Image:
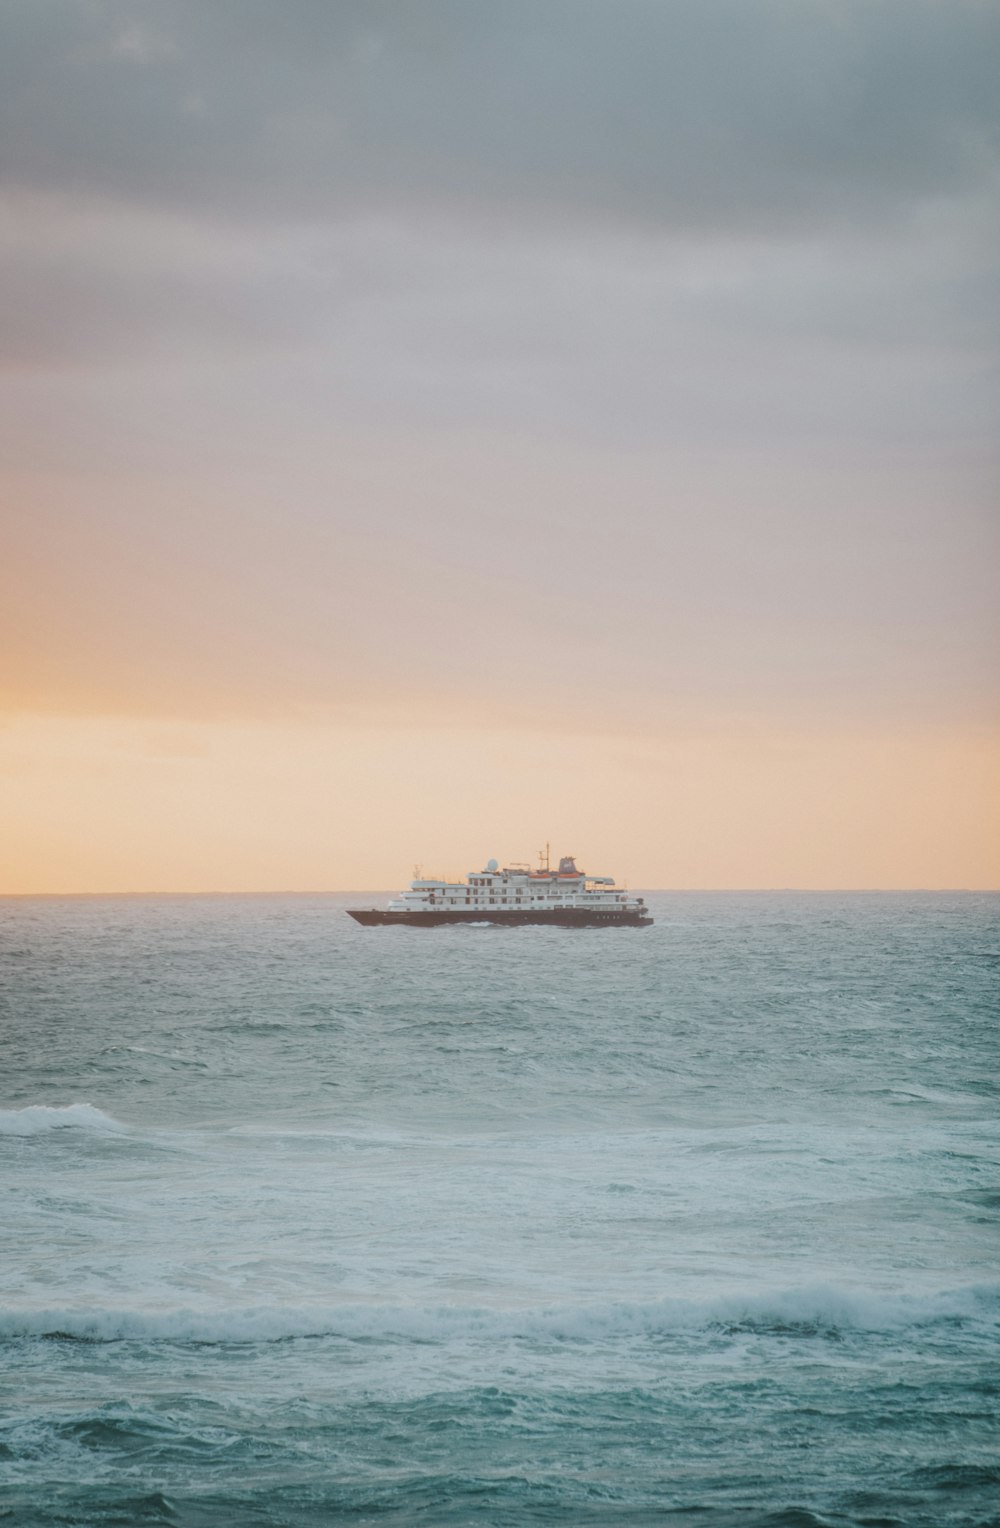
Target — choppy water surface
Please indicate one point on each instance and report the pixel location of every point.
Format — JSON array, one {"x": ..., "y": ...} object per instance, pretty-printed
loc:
[{"x": 307, "y": 1223}]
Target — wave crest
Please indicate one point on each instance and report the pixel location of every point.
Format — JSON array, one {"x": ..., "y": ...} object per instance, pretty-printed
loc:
[
  {"x": 802, "y": 1312},
  {"x": 39, "y": 1119}
]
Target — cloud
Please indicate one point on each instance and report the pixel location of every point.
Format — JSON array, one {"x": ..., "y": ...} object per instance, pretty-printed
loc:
[
  {"x": 720, "y": 115},
  {"x": 84, "y": 283},
  {"x": 508, "y": 212},
  {"x": 638, "y": 339},
  {"x": 610, "y": 359}
]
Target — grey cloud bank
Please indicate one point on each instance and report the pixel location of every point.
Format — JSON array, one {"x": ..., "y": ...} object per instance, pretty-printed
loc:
[
  {"x": 512, "y": 177},
  {"x": 724, "y": 114}
]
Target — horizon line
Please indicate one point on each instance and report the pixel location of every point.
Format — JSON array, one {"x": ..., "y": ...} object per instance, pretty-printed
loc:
[{"x": 859, "y": 891}]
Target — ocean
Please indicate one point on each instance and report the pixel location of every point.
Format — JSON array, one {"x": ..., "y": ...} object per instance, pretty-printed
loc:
[{"x": 694, "y": 1225}]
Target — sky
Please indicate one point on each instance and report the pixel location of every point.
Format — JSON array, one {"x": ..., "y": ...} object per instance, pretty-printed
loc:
[{"x": 428, "y": 430}]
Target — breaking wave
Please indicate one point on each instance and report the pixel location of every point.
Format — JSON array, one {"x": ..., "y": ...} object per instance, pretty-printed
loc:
[
  {"x": 803, "y": 1312},
  {"x": 39, "y": 1119}
]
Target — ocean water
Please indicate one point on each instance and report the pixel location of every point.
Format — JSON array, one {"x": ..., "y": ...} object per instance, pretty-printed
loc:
[{"x": 311, "y": 1224}]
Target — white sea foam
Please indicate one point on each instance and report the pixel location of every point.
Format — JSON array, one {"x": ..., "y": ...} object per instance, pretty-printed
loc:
[
  {"x": 804, "y": 1311},
  {"x": 38, "y": 1119}
]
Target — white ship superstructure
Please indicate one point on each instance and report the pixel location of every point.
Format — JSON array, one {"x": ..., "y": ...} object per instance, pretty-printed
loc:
[{"x": 514, "y": 894}]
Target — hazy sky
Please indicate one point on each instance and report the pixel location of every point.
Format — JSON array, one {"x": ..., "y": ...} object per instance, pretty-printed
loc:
[{"x": 431, "y": 428}]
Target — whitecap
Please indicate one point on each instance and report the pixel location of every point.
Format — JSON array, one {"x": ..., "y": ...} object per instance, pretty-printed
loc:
[
  {"x": 803, "y": 1311},
  {"x": 39, "y": 1119}
]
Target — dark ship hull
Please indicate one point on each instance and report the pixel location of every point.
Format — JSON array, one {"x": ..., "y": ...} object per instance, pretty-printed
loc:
[{"x": 513, "y": 917}]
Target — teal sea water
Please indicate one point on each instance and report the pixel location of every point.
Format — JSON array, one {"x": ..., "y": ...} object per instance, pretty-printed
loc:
[{"x": 305, "y": 1223}]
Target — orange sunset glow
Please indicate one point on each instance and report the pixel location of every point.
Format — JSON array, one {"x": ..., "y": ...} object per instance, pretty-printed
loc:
[{"x": 404, "y": 483}]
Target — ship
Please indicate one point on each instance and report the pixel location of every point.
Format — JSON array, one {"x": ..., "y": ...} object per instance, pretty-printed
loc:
[{"x": 511, "y": 897}]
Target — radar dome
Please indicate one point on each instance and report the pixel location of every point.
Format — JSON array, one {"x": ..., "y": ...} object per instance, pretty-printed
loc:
[{"x": 492, "y": 865}]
